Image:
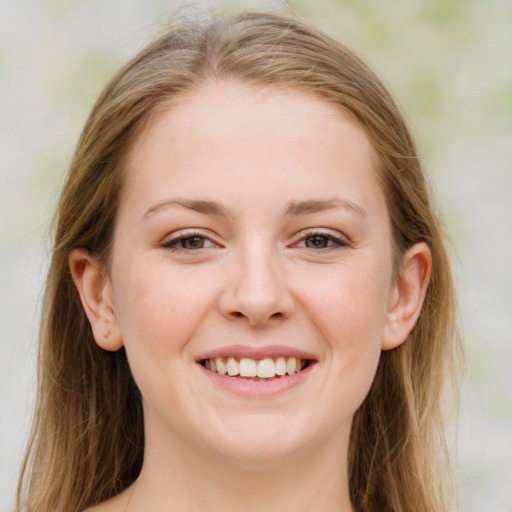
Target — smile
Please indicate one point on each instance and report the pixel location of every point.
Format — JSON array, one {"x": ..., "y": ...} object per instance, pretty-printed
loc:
[
  {"x": 267, "y": 368},
  {"x": 257, "y": 372}
]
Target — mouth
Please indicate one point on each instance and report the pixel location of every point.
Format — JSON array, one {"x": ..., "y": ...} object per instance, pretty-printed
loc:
[{"x": 266, "y": 369}]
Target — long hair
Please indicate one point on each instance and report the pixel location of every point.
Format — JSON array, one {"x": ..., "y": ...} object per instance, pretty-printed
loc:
[{"x": 87, "y": 440}]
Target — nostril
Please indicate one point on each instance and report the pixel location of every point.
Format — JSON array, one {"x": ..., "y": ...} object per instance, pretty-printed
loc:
[{"x": 273, "y": 316}]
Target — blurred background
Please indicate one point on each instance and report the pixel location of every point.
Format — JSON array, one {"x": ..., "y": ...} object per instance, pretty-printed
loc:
[{"x": 449, "y": 64}]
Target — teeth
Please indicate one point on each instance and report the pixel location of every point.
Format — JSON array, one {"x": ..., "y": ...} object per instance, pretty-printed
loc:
[
  {"x": 247, "y": 367},
  {"x": 221, "y": 366},
  {"x": 264, "y": 368},
  {"x": 281, "y": 366},
  {"x": 232, "y": 367},
  {"x": 291, "y": 365}
]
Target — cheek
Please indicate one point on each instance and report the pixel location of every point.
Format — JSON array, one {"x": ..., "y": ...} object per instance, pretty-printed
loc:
[
  {"x": 159, "y": 310},
  {"x": 348, "y": 308},
  {"x": 349, "y": 303}
]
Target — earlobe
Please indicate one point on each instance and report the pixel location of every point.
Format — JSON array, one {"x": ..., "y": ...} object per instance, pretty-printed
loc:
[
  {"x": 407, "y": 295},
  {"x": 95, "y": 292}
]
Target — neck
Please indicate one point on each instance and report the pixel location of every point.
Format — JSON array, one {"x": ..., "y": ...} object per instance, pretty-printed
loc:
[{"x": 311, "y": 479}]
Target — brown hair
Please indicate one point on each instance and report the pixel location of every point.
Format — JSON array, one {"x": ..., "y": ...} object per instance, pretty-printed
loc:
[{"x": 87, "y": 440}]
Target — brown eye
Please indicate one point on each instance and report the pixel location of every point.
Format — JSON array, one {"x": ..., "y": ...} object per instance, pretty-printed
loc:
[
  {"x": 317, "y": 242},
  {"x": 192, "y": 242},
  {"x": 322, "y": 241},
  {"x": 189, "y": 243}
]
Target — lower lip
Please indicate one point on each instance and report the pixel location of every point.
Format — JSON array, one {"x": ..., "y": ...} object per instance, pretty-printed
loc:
[{"x": 258, "y": 389}]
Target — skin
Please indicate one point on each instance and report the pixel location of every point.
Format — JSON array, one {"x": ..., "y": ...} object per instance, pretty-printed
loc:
[{"x": 257, "y": 278}]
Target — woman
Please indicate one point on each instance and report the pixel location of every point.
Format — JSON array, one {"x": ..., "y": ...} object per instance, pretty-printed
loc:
[{"x": 249, "y": 304}]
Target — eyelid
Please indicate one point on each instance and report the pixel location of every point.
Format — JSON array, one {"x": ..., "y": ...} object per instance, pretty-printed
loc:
[
  {"x": 171, "y": 241},
  {"x": 174, "y": 238},
  {"x": 340, "y": 239}
]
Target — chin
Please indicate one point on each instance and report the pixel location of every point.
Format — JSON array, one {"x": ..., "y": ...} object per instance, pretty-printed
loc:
[
  {"x": 257, "y": 456},
  {"x": 257, "y": 443}
]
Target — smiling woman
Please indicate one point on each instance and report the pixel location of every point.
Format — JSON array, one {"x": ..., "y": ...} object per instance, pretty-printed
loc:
[{"x": 249, "y": 305}]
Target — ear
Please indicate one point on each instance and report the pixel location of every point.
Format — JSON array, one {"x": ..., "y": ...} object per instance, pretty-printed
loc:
[
  {"x": 407, "y": 295},
  {"x": 95, "y": 290}
]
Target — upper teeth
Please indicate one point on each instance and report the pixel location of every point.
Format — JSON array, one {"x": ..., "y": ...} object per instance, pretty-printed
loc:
[{"x": 263, "y": 368}]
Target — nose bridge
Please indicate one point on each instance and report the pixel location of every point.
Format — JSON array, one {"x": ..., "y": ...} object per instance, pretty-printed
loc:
[{"x": 258, "y": 289}]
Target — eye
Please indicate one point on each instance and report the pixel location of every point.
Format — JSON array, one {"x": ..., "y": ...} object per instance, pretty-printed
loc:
[
  {"x": 187, "y": 242},
  {"x": 193, "y": 242},
  {"x": 321, "y": 241},
  {"x": 317, "y": 242}
]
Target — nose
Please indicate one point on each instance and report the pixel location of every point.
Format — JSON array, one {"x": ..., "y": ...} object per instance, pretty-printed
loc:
[{"x": 257, "y": 291}]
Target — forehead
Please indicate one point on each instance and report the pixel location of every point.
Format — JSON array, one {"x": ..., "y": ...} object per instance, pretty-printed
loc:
[
  {"x": 233, "y": 138},
  {"x": 218, "y": 109}
]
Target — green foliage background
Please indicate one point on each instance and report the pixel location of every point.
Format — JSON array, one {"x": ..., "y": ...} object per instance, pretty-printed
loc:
[{"x": 449, "y": 64}]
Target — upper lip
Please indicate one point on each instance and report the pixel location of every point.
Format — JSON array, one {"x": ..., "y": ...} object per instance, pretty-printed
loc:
[{"x": 246, "y": 351}]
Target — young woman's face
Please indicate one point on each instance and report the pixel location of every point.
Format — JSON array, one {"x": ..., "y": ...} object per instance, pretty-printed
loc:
[{"x": 252, "y": 232}]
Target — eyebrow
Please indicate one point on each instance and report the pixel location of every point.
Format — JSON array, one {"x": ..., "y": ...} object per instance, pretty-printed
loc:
[
  {"x": 199, "y": 205},
  {"x": 295, "y": 208},
  {"x": 320, "y": 205}
]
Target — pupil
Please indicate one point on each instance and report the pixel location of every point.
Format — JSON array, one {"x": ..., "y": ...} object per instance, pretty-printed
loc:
[
  {"x": 317, "y": 241},
  {"x": 194, "y": 242}
]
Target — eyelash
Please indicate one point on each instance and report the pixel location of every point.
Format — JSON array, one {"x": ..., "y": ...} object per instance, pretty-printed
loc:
[
  {"x": 338, "y": 242},
  {"x": 175, "y": 240}
]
